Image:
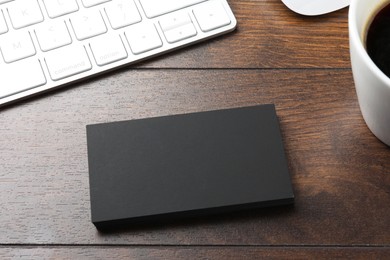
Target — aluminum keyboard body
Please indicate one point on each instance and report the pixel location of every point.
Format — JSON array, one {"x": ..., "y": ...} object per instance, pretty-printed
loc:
[{"x": 46, "y": 44}]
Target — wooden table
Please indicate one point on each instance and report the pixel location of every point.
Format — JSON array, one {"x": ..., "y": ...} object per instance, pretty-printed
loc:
[{"x": 340, "y": 171}]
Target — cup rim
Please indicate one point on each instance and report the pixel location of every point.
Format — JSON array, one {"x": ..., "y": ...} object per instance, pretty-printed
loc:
[{"x": 358, "y": 42}]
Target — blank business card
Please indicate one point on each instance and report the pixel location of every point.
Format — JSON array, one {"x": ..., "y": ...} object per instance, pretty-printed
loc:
[{"x": 186, "y": 165}]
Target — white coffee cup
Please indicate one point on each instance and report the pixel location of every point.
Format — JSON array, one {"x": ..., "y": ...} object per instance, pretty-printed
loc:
[{"x": 372, "y": 85}]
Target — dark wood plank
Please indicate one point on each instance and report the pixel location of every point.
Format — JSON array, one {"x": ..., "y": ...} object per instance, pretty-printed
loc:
[
  {"x": 193, "y": 253},
  {"x": 269, "y": 36},
  {"x": 340, "y": 171}
]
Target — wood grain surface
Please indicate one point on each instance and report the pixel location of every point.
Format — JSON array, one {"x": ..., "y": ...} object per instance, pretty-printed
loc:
[
  {"x": 194, "y": 252},
  {"x": 340, "y": 171}
]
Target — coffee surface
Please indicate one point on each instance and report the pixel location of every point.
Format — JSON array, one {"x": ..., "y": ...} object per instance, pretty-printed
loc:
[{"x": 378, "y": 40}]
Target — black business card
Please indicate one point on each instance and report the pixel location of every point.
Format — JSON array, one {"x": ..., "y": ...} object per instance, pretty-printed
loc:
[{"x": 185, "y": 165}]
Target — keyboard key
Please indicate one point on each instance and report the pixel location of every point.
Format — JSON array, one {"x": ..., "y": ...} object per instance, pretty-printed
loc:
[
  {"x": 3, "y": 25},
  {"x": 89, "y": 3},
  {"x": 53, "y": 35},
  {"x": 155, "y": 8},
  {"x": 24, "y": 13},
  {"x": 143, "y": 37},
  {"x": 177, "y": 26},
  {"x": 18, "y": 46},
  {"x": 211, "y": 15},
  {"x": 122, "y": 13},
  {"x": 88, "y": 25},
  {"x": 56, "y": 8},
  {"x": 20, "y": 76},
  {"x": 108, "y": 50},
  {"x": 67, "y": 61}
]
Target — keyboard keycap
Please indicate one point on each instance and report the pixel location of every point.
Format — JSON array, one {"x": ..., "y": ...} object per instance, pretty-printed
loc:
[
  {"x": 122, "y": 13},
  {"x": 20, "y": 76},
  {"x": 143, "y": 38},
  {"x": 56, "y": 8},
  {"x": 18, "y": 46},
  {"x": 3, "y": 25},
  {"x": 211, "y": 15},
  {"x": 108, "y": 50},
  {"x": 67, "y": 61},
  {"x": 88, "y": 25},
  {"x": 154, "y": 8},
  {"x": 89, "y": 3},
  {"x": 24, "y": 13},
  {"x": 177, "y": 27},
  {"x": 53, "y": 35}
]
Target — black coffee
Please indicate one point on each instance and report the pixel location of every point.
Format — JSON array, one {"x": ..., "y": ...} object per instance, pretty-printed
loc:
[{"x": 378, "y": 40}]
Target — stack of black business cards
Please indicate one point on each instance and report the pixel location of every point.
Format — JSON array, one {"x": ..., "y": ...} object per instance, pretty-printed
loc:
[{"x": 185, "y": 165}]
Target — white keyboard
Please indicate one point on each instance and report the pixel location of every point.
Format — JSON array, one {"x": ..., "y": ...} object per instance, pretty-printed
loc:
[{"x": 46, "y": 44}]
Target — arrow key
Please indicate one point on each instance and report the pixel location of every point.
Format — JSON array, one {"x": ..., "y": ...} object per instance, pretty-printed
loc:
[{"x": 177, "y": 27}]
